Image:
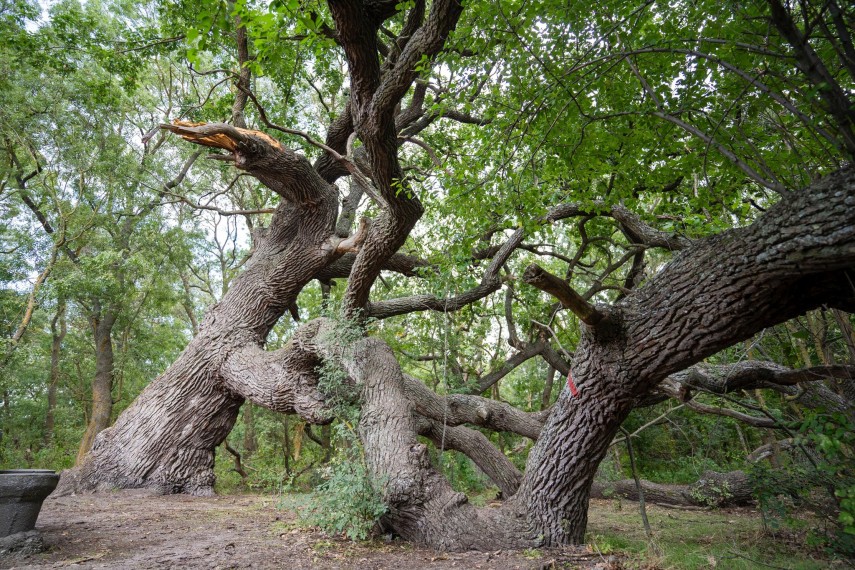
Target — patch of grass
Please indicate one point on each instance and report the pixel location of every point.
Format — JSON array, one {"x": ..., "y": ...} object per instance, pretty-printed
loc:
[
  {"x": 323, "y": 546},
  {"x": 732, "y": 539},
  {"x": 482, "y": 498},
  {"x": 285, "y": 527}
]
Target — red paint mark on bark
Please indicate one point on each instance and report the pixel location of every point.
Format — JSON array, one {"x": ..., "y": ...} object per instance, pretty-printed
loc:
[{"x": 573, "y": 391}]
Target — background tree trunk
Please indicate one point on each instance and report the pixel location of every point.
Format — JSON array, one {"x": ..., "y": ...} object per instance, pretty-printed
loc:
[
  {"x": 58, "y": 329},
  {"x": 102, "y": 382}
]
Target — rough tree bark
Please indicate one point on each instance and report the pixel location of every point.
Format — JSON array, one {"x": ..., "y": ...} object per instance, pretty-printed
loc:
[
  {"x": 166, "y": 438},
  {"x": 102, "y": 322},
  {"x": 717, "y": 292}
]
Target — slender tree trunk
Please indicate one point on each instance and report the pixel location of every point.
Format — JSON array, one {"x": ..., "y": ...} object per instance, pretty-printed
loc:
[
  {"x": 846, "y": 386},
  {"x": 57, "y": 337},
  {"x": 286, "y": 444},
  {"x": 250, "y": 443},
  {"x": 547, "y": 389},
  {"x": 102, "y": 383},
  {"x": 847, "y": 331}
]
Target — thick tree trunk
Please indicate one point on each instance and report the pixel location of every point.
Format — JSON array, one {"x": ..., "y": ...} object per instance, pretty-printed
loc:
[
  {"x": 166, "y": 438},
  {"x": 715, "y": 293},
  {"x": 562, "y": 464},
  {"x": 422, "y": 505}
]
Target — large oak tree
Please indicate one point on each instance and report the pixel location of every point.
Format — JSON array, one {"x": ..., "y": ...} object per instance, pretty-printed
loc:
[{"x": 756, "y": 111}]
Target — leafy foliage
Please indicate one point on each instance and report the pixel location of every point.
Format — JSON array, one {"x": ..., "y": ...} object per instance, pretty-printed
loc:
[
  {"x": 688, "y": 116},
  {"x": 346, "y": 503}
]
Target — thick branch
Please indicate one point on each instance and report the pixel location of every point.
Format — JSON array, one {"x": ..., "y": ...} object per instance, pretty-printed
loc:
[
  {"x": 751, "y": 374},
  {"x": 490, "y": 282},
  {"x": 457, "y": 409},
  {"x": 727, "y": 288},
  {"x": 638, "y": 230},
  {"x": 711, "y": 490},
  {"x": 474, "y": 445},
  {"x": 802, "y": 385},
  {"x": 407, "y": 265},
  {"x": 538, "y": 277},
  {"x": 283, "y": 380},
  {"x": 282, "y": 170}
]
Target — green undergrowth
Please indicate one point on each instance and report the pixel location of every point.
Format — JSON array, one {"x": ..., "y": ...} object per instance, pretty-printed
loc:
[{"x": 732, "y": 539}]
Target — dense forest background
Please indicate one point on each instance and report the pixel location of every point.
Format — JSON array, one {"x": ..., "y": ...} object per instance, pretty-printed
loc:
[{"x": 116, "y": 236}]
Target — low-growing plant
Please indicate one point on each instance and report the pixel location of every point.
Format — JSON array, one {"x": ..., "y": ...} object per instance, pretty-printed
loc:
[
  {"x": 348, "y": 501},
  {"x": 820, "y": 478}
]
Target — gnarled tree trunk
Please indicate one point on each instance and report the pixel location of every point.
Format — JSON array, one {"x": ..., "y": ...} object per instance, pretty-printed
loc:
[
  {"x": 166, "y": 438},
  {"x": 717, "y": 292}
]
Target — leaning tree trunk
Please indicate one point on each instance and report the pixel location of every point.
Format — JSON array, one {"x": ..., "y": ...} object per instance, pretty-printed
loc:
[
  {"x": 166, "y": 438},
  {"x": 716, "y": 293},
  {"x": 57, "y": 337}
]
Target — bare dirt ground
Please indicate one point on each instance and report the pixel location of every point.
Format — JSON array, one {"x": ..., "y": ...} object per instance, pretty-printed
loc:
[{"x": 138, "y": 530}]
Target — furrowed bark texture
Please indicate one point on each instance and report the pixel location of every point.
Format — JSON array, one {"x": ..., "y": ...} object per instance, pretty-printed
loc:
[
  {"x": 717, "y": 292},
  {"x": 422, "y": 505},
  {"x": 166, "y": 438}
]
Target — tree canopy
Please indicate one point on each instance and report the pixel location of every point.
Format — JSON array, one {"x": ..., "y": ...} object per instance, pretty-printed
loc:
[{"x": 516, "y": 230}]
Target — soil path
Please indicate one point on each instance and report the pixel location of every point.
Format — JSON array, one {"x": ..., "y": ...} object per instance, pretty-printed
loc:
[{"x": 137, "y": 530}]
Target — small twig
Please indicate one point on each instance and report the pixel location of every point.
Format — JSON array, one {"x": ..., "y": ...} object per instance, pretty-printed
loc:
[
  {"x": 183, "y": 200},
  {"x": 641, "y": 506},
  {"x": 738, "y": 555},
  {"x": 650, "y": 423},
  {"x": 430, "y": 152},
  {"x": 547, "y": 328}
]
